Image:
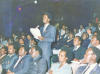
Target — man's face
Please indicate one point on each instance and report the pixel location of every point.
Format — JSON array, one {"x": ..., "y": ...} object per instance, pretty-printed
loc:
[
  {"x": 88, "y": 31},
  {"x": 13, "y": 35},
  {"x": 88, "y": 57},
  {"x": 33, "y": 42},
  {"x": 94, "y": 41},
  {"x": 45, "y": 19},
  {"x": 76, "y": 41},
  {"x": 90, "y": 25},
  {"x": 71, "y": 36},
  {"x": 2, "y": 51},
  {"x": 21, "y": 42},
  {"x": 21, "y": 51},
  {"x": 75, "y": 30},
  {"x": 63, "y": 27},
  {"x": 62, "y": 56},
  {"x": 28, "y": 37},
  {"x": 33, "y": 52},
  {"x": 84, "y": 36},
  {"x": 81, "y": 26},
  {"x": 23, "y": 36},
  {"x": 11, "y": 49}
]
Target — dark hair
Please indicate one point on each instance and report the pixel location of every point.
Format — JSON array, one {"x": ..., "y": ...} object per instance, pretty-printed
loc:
[
  {"x": 24, "y": 47},
  {"x": 98, "y": 37},
  {"x": 11, "y": 39},
  {"x": 37, "y": 48},
  {"x": 14, "y": 46},
  {"x": 86, "y": 34},
  {"x": 34, "y": 40},
  {"x": 49, "y": 15},
  {"x": 90, "y": 29},
  {"x": 22, "y": 39}
]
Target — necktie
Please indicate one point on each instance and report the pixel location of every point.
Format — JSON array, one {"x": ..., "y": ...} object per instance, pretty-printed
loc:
[
  {"x": 86, "y": 69},
  {"x": 74, "y": 52}
]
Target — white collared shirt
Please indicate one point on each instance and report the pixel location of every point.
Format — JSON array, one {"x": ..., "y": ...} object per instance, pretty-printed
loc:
[
  {"x": 98, "y": 27},
  {"x": 76, "y": 48},
  {"x": 90, "y": 68},
  {"x": 45, "y": 26},
  {"x": 10, "y": 55},
  {"x": 90, "y": 34},
  {"x": 2, "y": 56},
  {"x": 18, "y": 61},
  {"x": 98, "y": 46}
]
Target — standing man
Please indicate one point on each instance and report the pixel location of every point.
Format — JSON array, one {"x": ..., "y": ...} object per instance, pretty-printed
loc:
[{"x": 48, "y": 33}]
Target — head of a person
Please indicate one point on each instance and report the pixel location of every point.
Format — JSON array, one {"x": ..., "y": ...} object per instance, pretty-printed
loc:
[
  {"x": 92, "y": 55},
  {"x": 89, "y": 31},
  {"x": 85, "y": 36},
  {"x": 11, "y": 49},
  {"x": 22, "y": 51},
  {"x": 17, "y": 39},
  {"x": 33, "y": 42},
  {"x": 29, "y": 37},
  {"x": 35, "y": 51},
  {"x": 21, "y": 41},
  {"x": 10, "y": 40},
  {"x": 95, "y": 40},
  {"x": 3, "y": 38},
  {"x": 71, "y": 35},
  {"x": 13, "y": 35},
  {"x": 46, "y": 18},
  {"x": 81, "y": 26},
  {"x": 99, "y": 23},
  {"x": 23, "y": 36},
  {"x": 77, "y": 41},
  {"x": 75, "y": 30},
  {"x": 3, "y": 51},
  {"x": 64, "y": 54},
  {"x": 63, "y": 27},
  {"x": 90, "y": 24},
  {"x": 66, "y": 31}
]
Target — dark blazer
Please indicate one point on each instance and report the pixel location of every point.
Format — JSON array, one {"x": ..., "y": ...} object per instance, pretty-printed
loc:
[
  {"x": 70, "y": 43},
  {"x": 85, "y": 43},
  {"x": 95, "y": 70},
  {"x": 2, "y": 59},
  {"x": 49, "y": 37},
  {"x": 37, "y": 66},
  {"x": 79, "y": 53},
  {"x": 23, "y": 65}
]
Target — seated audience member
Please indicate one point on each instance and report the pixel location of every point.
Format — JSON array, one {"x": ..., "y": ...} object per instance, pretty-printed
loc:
[
  {"x": 21, "y": 64},
  {"x": 75, "y": 31},
  {"x": 95, "y": 41},
  {"x": 38, "y": 65},
  {"x": 29, "y": 37},
  {"x": 62, "y": 67},
  {"x": 21, "y": 44},
  {"x": 62, "y": 40},
  {"x": 90, "y": 26},
  {"x": 81, "y": 30},
  {"x": 17, "y": 41},
  {"x": 33, "y": 43},
  {"x": 8, "y": 62},
  {"x": 4, "y": 42},
  {"x": 91, "y": 57},
  {"x": 78, "y": 50},
  {"x": 89, "y": 31},
  {"x": 86, "y": 41},
  {"x": 2, "y": 54},
  {"x": 62, "y": 31},
  {"x": 0, "y": 69},
  {"x": 69, "y": 42},
  {"x": 14, "y": 37}
]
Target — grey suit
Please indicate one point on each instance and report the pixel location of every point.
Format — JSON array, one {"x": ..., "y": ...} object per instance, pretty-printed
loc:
[
  {"x": 95, "y": 70},
  {"x": 37, "y": 66}
]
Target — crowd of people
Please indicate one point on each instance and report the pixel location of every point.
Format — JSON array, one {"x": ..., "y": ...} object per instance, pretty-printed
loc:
[{"x": 78, "y": 52}]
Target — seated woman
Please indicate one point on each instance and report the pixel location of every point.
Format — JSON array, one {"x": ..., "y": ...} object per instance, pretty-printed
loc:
[{"x": 62, "y": 67}]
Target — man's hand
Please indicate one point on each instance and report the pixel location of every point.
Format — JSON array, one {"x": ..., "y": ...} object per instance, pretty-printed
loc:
[
  {"x": 9, "y": 72},
  {"x": 50, "y": 72},
  {"x": 41, "y": 38}
]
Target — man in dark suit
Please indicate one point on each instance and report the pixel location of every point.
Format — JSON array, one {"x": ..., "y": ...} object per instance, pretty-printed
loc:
[
  {"x": 21, "y": 64},
  {"x": 78, "y": 50},
  {"x": 2, "y": 54},
  {"x": 91, "y": 57},
  {"x": 38, "y": 65},
  {"x": 48, "y": 33}
]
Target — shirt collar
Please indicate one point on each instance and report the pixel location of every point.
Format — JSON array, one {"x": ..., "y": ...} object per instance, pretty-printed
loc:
[
  {"x": 77, "y": 47},
  {"x": 10, "y": 55},
  {"x": 46, "y": 25},
  {"x": 36, "y": 57},
  {"x": 93, "y": 65}
]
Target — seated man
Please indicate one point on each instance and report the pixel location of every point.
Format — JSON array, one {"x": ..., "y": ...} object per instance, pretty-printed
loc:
[
  {"x": 86, "y": 41},
  {"x": 2, "y": 54},
  {"x": 38, "y": 65},
  {"x": 62, "y": 67},
  {"x": 78, "y": 50},
  {"x": 91, "y": 57},
  {"x": 8, "y": 62},
  {"x": 21, "y": 64}
]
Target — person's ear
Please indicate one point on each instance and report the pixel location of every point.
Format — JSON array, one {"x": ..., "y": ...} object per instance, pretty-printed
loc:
[
  {"x": 94, "y": 56},
  {"x": 66, "y": 58},
  {"x": 25, "y": 52},
  {"x": 48, "y": 19}
]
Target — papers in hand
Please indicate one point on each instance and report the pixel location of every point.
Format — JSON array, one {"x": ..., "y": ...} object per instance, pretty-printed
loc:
[{"x": 35, "y": 32}]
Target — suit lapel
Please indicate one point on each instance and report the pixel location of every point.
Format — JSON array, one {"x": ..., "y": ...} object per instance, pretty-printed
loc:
[{"x": 94, "y": 69}]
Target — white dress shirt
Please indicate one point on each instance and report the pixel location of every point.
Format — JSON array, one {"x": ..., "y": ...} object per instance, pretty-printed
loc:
[
  {"x": 90, "y": 68},
  {"x": 98, "y": 46},
  {"x": 45, "y": 26},
  {"x": 76, "y": 48}
]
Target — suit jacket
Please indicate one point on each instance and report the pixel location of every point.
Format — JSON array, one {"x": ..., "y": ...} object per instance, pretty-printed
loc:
[
  {"x": 79, "y": 53},
  {"x": 23, "y": 65},
  {"x": 93, "y": 29},
  {"x": 95, "y": 70},
  {"x": 37, "y": 66},
  {"x": 85, "y": 43},
  {"x": 2, "y": 59},
  {"x": 49, "y": 37},
  {"x": 8, "y": 62},
  {"x": 70, "y": 43}
]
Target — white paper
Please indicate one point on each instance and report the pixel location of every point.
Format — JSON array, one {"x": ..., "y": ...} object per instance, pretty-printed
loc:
[{"x": 35, "y": 32}]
